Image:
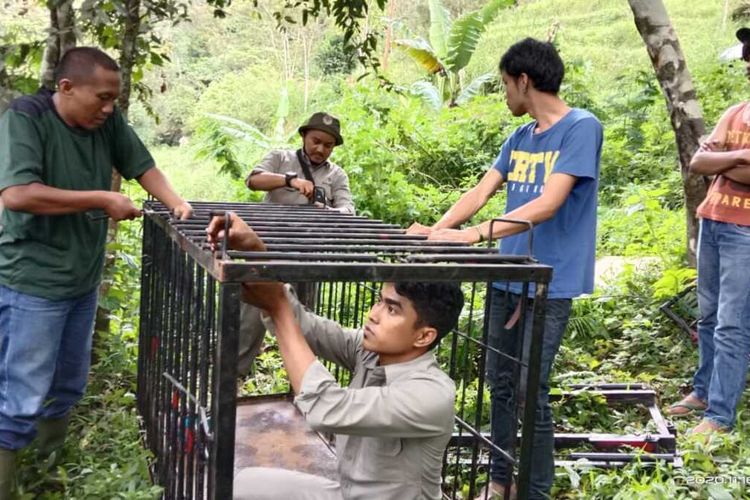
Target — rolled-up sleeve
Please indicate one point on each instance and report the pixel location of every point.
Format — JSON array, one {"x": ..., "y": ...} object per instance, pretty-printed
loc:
[
  {"x": 420, "y": 407},
  {"x": 326, "y": 338}
]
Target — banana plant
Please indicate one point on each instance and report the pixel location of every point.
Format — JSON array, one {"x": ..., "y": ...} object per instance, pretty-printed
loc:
[
  {"x": 451, "y": 46},
  {"x": 219, "y": 134}
]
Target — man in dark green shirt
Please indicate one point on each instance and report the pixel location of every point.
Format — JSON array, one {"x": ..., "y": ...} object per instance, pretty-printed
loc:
[{"x": 57, "y": 151}]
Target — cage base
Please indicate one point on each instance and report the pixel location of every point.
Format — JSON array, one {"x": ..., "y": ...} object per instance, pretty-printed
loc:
[{"x": 271, "y": 432}]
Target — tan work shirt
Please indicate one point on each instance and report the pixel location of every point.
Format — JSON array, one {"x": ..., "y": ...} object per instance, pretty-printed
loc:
[
  {"x": 392, "y": 423},
  {"x": 329, "y": 176}
]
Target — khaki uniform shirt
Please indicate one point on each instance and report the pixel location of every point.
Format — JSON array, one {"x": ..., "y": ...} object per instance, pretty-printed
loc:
[
  {"x": 329, "y": 176},
  {"x": 392, "y": 423}
]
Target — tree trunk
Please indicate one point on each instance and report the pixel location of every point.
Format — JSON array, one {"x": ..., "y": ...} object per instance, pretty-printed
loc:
[
  {"x": 306, "y": 50},
  {"x": 724, "y": 15},
  {"x": 128, "y": 53},
  {"x": 663, "y": 48},
  {"x": 61, "y": 37},
  {"x": 388, "y": 35},
  {"x": 127, "y": 62}
]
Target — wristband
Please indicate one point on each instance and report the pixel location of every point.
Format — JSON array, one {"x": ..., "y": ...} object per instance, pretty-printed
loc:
[{"x": 289, "y": 177}]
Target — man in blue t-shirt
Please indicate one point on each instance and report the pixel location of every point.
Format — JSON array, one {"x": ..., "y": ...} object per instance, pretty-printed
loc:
[{"x": 551, "y": 169}]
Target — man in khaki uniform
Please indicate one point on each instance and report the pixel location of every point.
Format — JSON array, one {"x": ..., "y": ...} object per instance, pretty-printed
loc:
[
  {"x": 291, "y": 178},
  {"x": 282, "y": 172},
  {"x": 393, "y": 422}
]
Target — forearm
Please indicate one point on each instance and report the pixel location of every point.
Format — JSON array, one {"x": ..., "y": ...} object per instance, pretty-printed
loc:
[
  {"x": 266, "y": 181},
  {"x": 295, "y": 352},
  {"x": 536, "y": 211},
  {"x": 464, "y": 209},
  {"x": 712, "y": 163},
  {"x": 326, "y": 338},
  {"x": 156, "y": 184},
  {"x": 40, "y": 199},
  {"x": 739, "y": 174}
]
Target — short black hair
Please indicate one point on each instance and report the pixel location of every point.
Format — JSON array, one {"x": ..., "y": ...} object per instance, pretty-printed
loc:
[
  {"x": 79, "y": 63},
  {"x": 743, "y": 35},
  {"x": 539, "y": 60},
  {"x": 438, "y": 304}
]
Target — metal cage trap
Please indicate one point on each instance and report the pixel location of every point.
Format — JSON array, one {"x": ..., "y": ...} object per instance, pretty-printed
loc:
[{"x": 201, "y": 433}]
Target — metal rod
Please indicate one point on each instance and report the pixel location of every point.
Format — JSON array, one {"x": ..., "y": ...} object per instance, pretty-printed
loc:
[
  {"x": 487, "y": 442},
  {"x": 225, "y": 391},
  {"x": 202, "y": 409},
  {"x": 528, "y": 224},
  {"x": 532, "y": 390}
]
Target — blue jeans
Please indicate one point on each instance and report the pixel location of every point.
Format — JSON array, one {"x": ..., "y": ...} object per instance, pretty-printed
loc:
[
  {"x": 45, "y": 353},
  {"x": 500, "y": 381},
  {"x": 724, "y": 326}
]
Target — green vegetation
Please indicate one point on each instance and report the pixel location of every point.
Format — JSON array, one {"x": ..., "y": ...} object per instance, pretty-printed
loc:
[
  {"x": 409, "y": 160},
  {"x": 451, "y": 46}
]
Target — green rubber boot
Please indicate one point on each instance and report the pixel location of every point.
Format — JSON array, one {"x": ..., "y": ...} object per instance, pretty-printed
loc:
[
  {"x": 7, "y": 474},
  {"x": 50, "y": 436}
]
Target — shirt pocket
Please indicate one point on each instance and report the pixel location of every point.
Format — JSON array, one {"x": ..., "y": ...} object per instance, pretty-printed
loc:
[
  {"x": 381, "y": 459},
  {"x": 387, "y": 447}
]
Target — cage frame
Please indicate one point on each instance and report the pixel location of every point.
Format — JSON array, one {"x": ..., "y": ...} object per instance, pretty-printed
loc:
[{"x": 179, "y": 243}]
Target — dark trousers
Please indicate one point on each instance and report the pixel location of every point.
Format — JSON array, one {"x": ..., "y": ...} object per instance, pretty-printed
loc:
[{"x": 501, "y": 382}]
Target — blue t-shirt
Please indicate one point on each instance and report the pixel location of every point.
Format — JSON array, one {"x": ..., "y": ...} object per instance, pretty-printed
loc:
[{"x": 567, "y": 241}]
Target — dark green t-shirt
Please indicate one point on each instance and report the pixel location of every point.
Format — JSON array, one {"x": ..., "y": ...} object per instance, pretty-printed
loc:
[{"x": 59, "y": 256}]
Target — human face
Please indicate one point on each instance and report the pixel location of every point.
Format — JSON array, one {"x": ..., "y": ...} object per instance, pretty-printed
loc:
[
  {"x": 515, "y": 97},
  {"x": 89, "y": 102},
  {"x": 318, "y": 145},
  {"x": 391, "y": 329}
]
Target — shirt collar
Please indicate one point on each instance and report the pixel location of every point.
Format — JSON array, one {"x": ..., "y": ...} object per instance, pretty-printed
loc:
[{"x": 396, "y": 371}]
